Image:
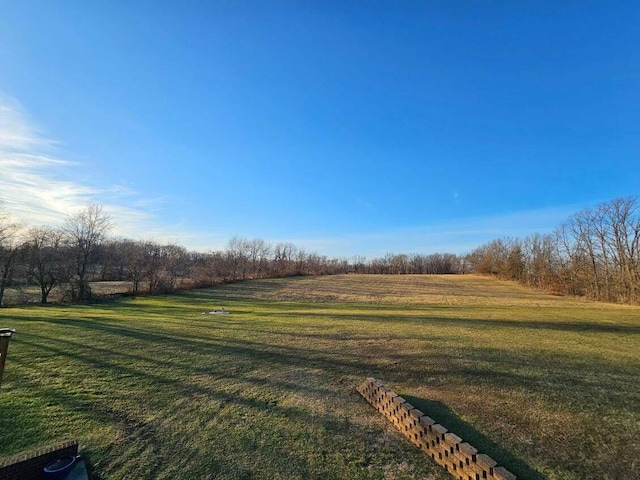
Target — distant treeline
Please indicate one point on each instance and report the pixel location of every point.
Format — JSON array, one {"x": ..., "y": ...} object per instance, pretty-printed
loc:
[
  {"x": 595, "y": 253},
  {"x": 79, "y": 252}
]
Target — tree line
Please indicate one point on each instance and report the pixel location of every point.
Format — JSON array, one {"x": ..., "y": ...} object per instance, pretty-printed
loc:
[
  {"x": 595, "y": 253},
  {"x": 80, "y": 251}
]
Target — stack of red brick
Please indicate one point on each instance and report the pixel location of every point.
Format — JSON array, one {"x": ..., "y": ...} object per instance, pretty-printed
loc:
[{"x": 457, "y": 457}]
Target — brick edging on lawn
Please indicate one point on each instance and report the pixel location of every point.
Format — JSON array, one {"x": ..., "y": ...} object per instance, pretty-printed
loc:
[{"x": 447, "y": 449}]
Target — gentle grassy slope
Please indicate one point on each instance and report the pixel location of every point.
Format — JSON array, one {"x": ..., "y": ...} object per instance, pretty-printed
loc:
[{"x": 152, "y": 388}]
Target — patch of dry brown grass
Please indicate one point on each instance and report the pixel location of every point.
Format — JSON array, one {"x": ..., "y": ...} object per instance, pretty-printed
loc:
[{"x": 444, "y": 290}]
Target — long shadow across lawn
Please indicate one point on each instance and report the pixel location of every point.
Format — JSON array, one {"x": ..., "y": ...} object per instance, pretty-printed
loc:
[
  {"x": 443, "y": 415},
  {"x": 427, "y": 317},
  {"x": 407, "y": 366}
]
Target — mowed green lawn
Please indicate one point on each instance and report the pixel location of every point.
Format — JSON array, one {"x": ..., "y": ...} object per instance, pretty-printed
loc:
[{"x": 152, "y": 388}]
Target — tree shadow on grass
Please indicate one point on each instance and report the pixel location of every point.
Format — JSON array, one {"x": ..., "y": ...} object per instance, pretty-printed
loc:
[
  {"x": 145, "y": 429},
  {"x": 443, "y": 415}
]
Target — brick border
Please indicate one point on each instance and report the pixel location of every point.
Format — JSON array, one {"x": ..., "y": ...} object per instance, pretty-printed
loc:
[
  {"x": 447, "y": 449},
  {"x": 30, "y": 465}
]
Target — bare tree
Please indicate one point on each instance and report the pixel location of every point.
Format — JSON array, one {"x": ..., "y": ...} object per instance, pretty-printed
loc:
[
  {"x": 8, "y": 250},
  {"x": 163, "y": 266},
  {"x": 85, "y": 231},
  {"x": 238, "y": 253},
  {"x": 134, "y": 263},
  {"x": 539, "y": 254},
  {"x": 176, "y": 265},
  {"x": 491, "y": 258},
  {"x": 111, "y": 255},
  {"x": 283, "y": 254},
  {"x": 623, "y": 217},
  {"x": 45, "y": 258},
  {"x": 258, "y": 255}
]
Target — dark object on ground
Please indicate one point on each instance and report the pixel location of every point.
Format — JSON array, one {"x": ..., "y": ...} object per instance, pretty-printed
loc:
[
  {"x": 60, "y": 468},
  {"x": 5, "y": 336},
  {"x": 30, "y": 465}
]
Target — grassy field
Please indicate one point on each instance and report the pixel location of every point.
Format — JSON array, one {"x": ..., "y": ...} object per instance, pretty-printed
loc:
[
  {"x": 152, "y": 388},
  {"x": 31, "y": 294}
]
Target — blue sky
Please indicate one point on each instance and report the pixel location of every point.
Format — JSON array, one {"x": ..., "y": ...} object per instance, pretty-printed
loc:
[{"x": 345, "y": 127}]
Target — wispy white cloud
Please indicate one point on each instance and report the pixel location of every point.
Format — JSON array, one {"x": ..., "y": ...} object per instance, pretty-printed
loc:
[
  {"x": 16, "y": 133},
  {"x": 38, "y": 187}
]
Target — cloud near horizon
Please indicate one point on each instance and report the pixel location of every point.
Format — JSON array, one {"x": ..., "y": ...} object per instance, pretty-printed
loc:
[{"x": 37, "y": 187}]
